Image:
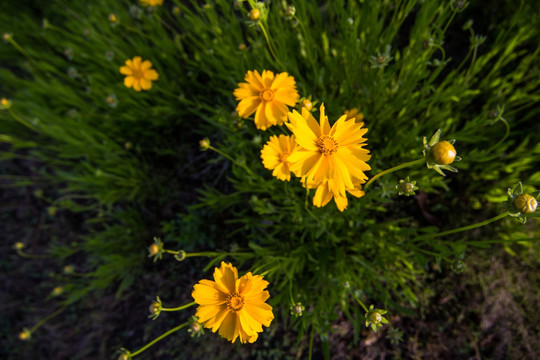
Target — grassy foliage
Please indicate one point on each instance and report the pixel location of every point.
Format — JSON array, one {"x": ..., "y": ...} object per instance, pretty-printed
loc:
[{"x": 129, "y": 161}]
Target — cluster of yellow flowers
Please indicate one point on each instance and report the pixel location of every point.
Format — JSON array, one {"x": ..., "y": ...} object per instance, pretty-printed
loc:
[{"x": 331, "y": 159}]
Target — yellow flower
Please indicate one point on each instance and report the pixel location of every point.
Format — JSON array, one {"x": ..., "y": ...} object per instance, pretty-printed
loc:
[
  {"x": 235, "y": 306},
  {"x": 151, "y": 2},
  {"x": 331, "y": 156},
  {"x": 275, "y": 153},
  {"x": 267, "y": 96},
  {"x": 354, "y": 114},
  {"x": 139, "y": 74}
]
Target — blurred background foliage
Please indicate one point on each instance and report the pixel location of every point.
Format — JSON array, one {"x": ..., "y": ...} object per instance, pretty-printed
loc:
[{"x": 125, "y": 166}]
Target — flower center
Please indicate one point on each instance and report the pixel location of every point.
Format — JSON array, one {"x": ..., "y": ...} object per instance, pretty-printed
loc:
[
  {"x": 327, "y": 145},
  {"x": 267, "y": 95},
  {"x": 137, "y": 73},
  {"x": 235, "y": 301},
  {"x": 284, "y": 157}
]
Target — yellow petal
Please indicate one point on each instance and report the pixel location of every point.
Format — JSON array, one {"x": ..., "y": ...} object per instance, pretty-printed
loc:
[
  {"x": 267, "y": 78},
  {"x": 322, "y": 195},
  {"x": 248, "y": 106},
  {"x": 146, "y": 84},
  {"x": 151, "y": 74},
  {"x": 225, "y": 277},
  {"x": 261, "y": 122},
  {"x": 137, "y": 62},
  {"x": 206, "y": 313},
  {"x": 125, "y": 70},
  {"x": 254, "y": 79},
  {"x": 227, "y": 327},
  {"x": 259, "y": 314},
  {"x": 146, "y": 64},
  {"x": 128, "y": 81},
  {"x": 206, "y": 292},
  {"x": 244, "y": 90}
]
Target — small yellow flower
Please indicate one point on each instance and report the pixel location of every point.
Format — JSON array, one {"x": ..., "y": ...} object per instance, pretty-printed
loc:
[
  {"x": 235, "y": 306},
  {"x": 333, "y": 157},
  {"x": 354, "y": 114},
  {"x": 267, "y": 96},
  {"x": 139, "y": 74},
  {"x": 525, "y": 203},
  {"x": 254, "y": 14},
  {"x": 151, "y": 2},
  {"x": 275, "y": 153}
]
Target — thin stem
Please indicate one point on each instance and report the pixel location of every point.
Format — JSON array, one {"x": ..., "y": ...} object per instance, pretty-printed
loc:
[
  {"x": 270, "y": 46},
  {"x": 465, "y": 228},
  {"x": 19, "y": 119},
  {"x": 395, "y": 168},
  {"x": 311, "y": 336},
  {"x": 248, "y": 170},
  {"x": 358, "y": 300},
  {"x": 164, "y": 335},
  {"x": 19, "y": 48},
  {"x": 505, "y": 135},
  {"x": 179, "y": 308},
  {"x": 31, "y": 256},
  {"x": 43, "y": 321}
]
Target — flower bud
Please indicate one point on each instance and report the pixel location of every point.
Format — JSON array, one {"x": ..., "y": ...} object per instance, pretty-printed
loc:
[
  {"x": 297, "y": 309},
  {"x": 492, "y": 114},
  {"x": 154, "y": 308},
  {"x": 254, "y": 14},
  {"x": 525, "y": 204},
  {"x": 18, "y": 245},
  {"x": 242, "y": 46},
  {"x": 375, "y": 318},
  {"x": 5, "y": 103},
  {"x": 307, "y": 104},
  {"x": 113, "y": 18},
  {"x": 24, "y": 335},
  {"x": 204, "y": 144},
  {"x": 195, "y": 326},
  {"x": 153, "y": 249},
  {"x": 444, "y": 153}
]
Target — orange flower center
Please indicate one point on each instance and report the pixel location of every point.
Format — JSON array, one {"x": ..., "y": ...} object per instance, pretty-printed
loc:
[
  {"x": 284, "y": 157},
  {"x": 327, "y": 145},
  {"x": 235, "y": 301},
  {"x": 137, "y": 73},
  {"x": 267, "y": 95}
]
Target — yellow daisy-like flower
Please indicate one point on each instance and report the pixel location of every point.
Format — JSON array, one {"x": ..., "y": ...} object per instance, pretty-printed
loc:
[
  {"x": 267, "y": 96},
  {"x": 275, "y": 153},
  {"x": 332, "y": 155},
  {"x": 235, "y": 306},
  {"x": 354, "y": 114},
  {"x": 139, "y": 74},
  {"x": 151, "y": 2}
]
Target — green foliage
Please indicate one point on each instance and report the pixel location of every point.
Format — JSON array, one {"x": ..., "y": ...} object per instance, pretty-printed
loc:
[{"x": 133, "y": 168}]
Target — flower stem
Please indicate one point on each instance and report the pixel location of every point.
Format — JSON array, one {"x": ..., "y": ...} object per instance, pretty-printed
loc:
[
  {"x": 395, "y": 168},
  {"x": 464, "y": 228},
  {"x": 248, "y": 170},
  {"x": 162, "y": 336},
  {"x": 359, "y": 301},
  {"x": 179, "y": 308},
  {"x": 32, "y": 256},
  {"x": 43, "y": 321},
  {"x": 270, "y": 46}
]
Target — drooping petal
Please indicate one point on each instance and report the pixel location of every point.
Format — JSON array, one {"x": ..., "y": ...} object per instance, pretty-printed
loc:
[
  {"x": 225, "y": 277},
  {"x": 248, "y": 106}
]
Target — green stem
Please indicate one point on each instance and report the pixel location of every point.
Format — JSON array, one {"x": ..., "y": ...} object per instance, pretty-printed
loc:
[
  {"x": 162, "y": 336},
  {"x": 358, "y": 300},
  {"x": 179, "y": 308},
  {"x": 40, "y": 323},
  {"x": 395, "y": 168},
  {"x": 311, "y": 336},
  {"x": 505, "y": 135},
  {"x": 31, "y": 256},
  {"x": 243, "y": 166},
  {"x": 270, "y": 46},
  {"x": 465, "y": 228},
  {"x": 19, "y": 48},
  {"x": 19, "y": 119}
]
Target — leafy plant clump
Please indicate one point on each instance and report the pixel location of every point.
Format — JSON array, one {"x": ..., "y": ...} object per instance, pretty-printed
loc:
[{"x": 339, "y": 150}]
